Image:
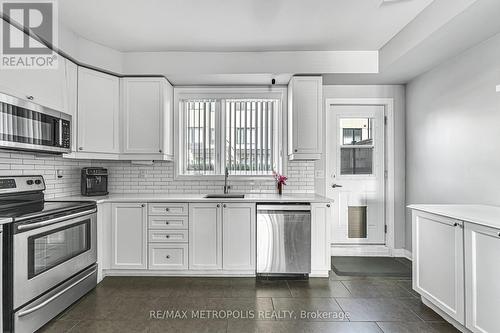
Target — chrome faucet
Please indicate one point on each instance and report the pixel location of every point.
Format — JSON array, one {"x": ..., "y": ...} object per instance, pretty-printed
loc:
[{"x": 226, "y": 187}]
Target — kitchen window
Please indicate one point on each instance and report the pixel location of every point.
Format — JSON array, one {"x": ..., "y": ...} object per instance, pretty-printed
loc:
[{"x": 241, "y": 134}]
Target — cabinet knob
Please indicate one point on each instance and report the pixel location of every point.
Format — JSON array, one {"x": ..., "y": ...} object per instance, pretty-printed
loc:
[
  {"x": 167, "y": 236},
  {"x": 167, "y": 222},
  {"x": 159, "y": 150},
  {"x": 224, "y": 205},
  {"x": 499, "y": 234},
  {"x": 328, "y": 205},
  {"x": 296, "y": 150},
  {"x": 167, "y": 256},
  {"x": 30, "y": 97},
  {"x": 143, "y": 205},
  {"x": 167, "y": 209},
  {"x": 218, "y": 205},
  {"x": 80, "y": 148}
]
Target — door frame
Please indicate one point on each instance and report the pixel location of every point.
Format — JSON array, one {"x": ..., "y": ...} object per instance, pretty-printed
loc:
[{"x": 390, "y": 179}]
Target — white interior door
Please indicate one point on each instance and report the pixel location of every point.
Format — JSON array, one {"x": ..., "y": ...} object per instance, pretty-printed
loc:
[{"x": 356, "y": 173}]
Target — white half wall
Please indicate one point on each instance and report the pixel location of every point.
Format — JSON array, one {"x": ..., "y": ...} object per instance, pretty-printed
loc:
[
  {"x": 397, "y": 93},
  {"x": 452, "y": 130}
]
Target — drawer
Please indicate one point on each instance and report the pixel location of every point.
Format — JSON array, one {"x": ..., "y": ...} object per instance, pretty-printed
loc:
[
  {"x": 168, "y": 222},
  {"x": 168, "y": 256},
  {"x": 168, "y": 236},
  {"x": 168, "y": 209}
]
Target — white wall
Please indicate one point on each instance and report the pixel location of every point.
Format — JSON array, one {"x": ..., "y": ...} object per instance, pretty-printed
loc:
[
  {"x": 396, "y": 92},
  {"x": 453, "y": 131}
]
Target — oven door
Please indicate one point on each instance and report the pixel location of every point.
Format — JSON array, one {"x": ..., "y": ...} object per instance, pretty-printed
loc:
[
  {"x": 48, "y": 255},
  {"x": 29, "y": 126}
]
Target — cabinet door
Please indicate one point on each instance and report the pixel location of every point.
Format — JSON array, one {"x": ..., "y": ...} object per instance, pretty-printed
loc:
[
  {"x": 482, "y": 271},
  {"x": 438, "y": 256},
  {"x": 205, "y": 236},
  {"x": 142, "y": 115},
  {"x": 321, "y": 218},
  {"x": 238, "y": 236},
  {"x": 98, "y": 106},
  {"x": 41, "y": 86},
  {"x": 305, "y": 125},
  {"x": 129, "y": 230}
]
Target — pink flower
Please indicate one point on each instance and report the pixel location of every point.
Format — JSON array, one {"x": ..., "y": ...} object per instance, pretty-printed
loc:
[{"x": 280, "y": 179}]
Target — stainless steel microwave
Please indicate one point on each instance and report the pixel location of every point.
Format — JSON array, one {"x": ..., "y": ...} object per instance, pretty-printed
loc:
[{"x": 28, "y": 126}]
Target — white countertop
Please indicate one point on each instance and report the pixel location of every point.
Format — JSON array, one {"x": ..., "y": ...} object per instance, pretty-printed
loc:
[
  {"x": 479, "y": 214},
  {"x": 180, "y": 197}
]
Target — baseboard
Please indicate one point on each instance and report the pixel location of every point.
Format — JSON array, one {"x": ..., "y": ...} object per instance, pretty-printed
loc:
[
  {"x": 369, "y": 251},
  {"x": 402, "y": 253}
]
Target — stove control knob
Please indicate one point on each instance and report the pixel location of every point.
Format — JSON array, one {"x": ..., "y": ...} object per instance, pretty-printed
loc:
[
  {"x": 38, "y": 181},
  {"x": 29, "y": 182}
]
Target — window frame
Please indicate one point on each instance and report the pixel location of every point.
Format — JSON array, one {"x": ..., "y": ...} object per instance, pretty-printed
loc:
[{"x": 224, "y": 93}]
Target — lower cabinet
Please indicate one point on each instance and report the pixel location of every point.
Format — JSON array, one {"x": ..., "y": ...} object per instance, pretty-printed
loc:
[
  {"x": 482, "y": 273},
  {"x": 205, "y": 236},
  {"x": 238, "y": 236},
  {"x": 438, "y": 262},
  {"x": 222, "y": 236},
  {"x": 129, "y": 236},
  {"x": 321, "y": 219}
]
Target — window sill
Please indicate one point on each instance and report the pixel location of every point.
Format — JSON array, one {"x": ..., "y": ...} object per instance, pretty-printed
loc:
[{"x": 221, "y": 177}]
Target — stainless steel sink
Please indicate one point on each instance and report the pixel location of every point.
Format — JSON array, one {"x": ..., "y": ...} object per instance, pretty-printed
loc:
[{"x": 225, "y": 196}]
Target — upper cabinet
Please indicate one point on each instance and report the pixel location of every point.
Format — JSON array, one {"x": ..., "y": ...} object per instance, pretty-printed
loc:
[
  {"x": 304, "y": 117},
  {"x": 98, "y": 112},
  {"x": 146, "y": 112},
  {"x": 46, "y": 87}
]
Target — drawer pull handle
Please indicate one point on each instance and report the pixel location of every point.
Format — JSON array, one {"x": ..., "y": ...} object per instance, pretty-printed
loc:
[
  {"x": 167, "y": 236},
  {"x": 167, "y": 256},
  {"x": 167, "y": 209},
  {"x": 167, "y": 222}
]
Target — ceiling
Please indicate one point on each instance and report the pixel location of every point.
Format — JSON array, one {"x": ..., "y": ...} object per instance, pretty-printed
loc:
[{"x": 239, "y": 25}]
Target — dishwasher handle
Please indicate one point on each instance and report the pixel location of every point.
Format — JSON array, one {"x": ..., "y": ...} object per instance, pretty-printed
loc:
[{"x": 295, "y": 208}]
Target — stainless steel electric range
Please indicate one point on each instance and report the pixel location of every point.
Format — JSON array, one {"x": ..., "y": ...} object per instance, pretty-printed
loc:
[{"x": 49, "y": 253}]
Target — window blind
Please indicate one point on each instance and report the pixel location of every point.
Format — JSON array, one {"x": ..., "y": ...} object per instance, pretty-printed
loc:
[
  {"x": 250, "y": 134},
  {"x": 200, "y": 147}
]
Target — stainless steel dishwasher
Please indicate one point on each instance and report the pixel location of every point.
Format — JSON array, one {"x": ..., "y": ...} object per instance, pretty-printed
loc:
[{"x": 283, "y": 240}]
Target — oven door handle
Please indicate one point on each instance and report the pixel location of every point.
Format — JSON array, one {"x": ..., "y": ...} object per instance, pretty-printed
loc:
[
  {"x": 47, "y": 301},
  {"x": 52, "y": 221}
]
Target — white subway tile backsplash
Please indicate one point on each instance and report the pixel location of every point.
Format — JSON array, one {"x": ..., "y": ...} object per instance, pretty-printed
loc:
[{"x": 125, "y": 177}]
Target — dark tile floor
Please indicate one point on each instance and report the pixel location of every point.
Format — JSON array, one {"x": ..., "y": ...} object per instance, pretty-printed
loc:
[{"x": 348, "y": 304}]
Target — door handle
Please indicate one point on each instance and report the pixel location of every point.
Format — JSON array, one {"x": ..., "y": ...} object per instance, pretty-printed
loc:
[{"x": 336, "y": 185}]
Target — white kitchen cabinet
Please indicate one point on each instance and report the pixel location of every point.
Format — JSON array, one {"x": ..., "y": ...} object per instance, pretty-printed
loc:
[
  {"x": 129, "y": 236},
  {"x": 321, "y": 219},
  {"x": 305, "y": 117},
  {"x": 482, "y": 273},
  {"x": 168, "y": 256},
  {"x": 145, "y": 118},
  {"x": 98, "y": 113},
  {"x": 238, "y": 236},
  {"x": 46, "y": 87},
  {"x": 438, "y": 262},
  {"x": 205, "y": 236}
]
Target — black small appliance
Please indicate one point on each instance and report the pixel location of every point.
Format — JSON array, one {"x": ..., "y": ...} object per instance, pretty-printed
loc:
[{"x": 94, "y": 181}]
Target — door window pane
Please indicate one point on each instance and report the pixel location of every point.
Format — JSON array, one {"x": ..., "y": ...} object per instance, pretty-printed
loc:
[
  {"x": 356, "y": 131},
  {"x": 52, "y": 248},
  {"x": 356, "y": 161}
]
